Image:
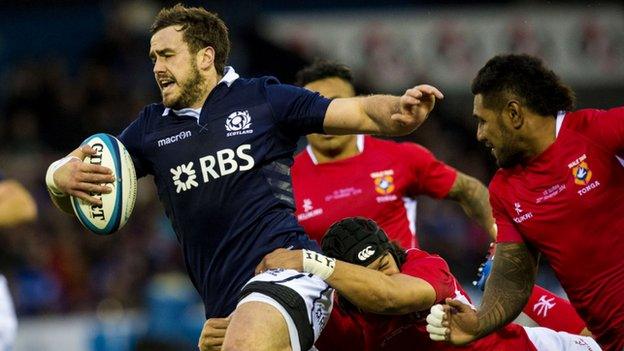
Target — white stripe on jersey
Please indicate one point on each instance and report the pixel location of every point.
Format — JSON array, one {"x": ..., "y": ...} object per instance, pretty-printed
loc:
[
  {"x": 410, "y": 210},
  {"x": 560, "y": 117},
  {"x": 359, "y": 142}
]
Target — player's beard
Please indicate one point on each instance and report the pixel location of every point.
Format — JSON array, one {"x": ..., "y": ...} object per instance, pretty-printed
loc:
[
  {"x": 508, "y": 154},
  {"x": 190, "y": 90}
]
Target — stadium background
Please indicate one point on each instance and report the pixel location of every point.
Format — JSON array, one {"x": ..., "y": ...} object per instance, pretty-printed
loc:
[{"x": 71, "y": 68}]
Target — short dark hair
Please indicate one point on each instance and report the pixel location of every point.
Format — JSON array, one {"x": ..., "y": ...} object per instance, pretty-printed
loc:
[
  {"x": 201, "y": 29},
  {"x": 321, "y": 69},
  {"x": 525, "y": 77}
]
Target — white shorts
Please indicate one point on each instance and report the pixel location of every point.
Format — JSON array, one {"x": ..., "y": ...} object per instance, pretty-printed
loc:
[
  {"x": 8, "y": 321},
  {"x": 546, "y": 339},
  {"x": 304, "y": 300}
]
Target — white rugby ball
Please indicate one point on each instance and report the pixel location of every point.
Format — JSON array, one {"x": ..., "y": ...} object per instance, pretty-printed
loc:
[{"x": 117, "y": 205}]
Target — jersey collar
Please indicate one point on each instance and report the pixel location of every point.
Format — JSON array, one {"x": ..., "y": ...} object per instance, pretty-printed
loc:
[
  {"x": 559, "y": 122},
  {"x": 359, "y": 142},
  {"x": 228, "y": 78}
]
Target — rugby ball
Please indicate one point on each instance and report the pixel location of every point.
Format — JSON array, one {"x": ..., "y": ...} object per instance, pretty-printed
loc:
[{"x": 117, "y": 205}]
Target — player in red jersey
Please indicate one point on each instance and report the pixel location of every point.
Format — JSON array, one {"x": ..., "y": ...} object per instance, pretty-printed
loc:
[
  {"x": 385, "y": 293},
  {"x": 349, "y": 175},
  {"x": 559, "y": 192},
  {"x": 342, "y": 176}
]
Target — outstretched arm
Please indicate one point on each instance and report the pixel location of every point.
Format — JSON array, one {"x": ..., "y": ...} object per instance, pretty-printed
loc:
[
  {"x": 474, "y": 198},
  {"x": 368, "y": 289},
  {"x": 381, "y": 114}
]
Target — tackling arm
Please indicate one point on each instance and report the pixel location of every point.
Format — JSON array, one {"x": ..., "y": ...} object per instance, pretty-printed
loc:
[
  {"x": 474, "y": 199},
  {"x": 368, "y": 289},
  {"x": 381, "y": 114},
  {"x": 506, "y": 292},
  {"x": 16, "y": 204},
  {"x": 508, "y": 288},
  {"x": 376, "y": 292}
]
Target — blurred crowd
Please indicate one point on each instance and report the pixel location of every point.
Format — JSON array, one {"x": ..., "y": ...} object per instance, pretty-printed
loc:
[{"x": 47, "y": 109}]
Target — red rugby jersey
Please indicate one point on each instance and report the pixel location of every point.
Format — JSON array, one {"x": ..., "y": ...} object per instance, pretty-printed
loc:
[
  {"x": 568, "y": 202},
  {"x": 374, "y": 332},
  {"x": 380, "y": 183}
]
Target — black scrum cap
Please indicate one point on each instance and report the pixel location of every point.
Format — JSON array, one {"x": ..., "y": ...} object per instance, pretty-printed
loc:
[{"x": 357, "y": 240}]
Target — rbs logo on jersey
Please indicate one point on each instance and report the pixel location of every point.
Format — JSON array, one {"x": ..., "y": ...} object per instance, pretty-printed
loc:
[{"x": 226, "y": 161}]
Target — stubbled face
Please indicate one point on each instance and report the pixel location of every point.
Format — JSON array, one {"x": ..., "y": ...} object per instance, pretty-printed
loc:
[
  {"x": 497, "y": 135},
  {"x": 175, "y": 69},
  {"x": 385, "y": 264},
  {"x": 331, "y": 88}
]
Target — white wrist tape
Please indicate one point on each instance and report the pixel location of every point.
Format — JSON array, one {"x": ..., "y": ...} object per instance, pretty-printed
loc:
[
  {"x": 50, "y": 175},
  {"x": 317, "y": 264}
]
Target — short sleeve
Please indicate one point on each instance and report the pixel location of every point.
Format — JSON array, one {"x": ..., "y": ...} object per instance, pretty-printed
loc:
[
  {"x": 608, "y": 128},
  {"x": 432, "y": 269},
  {"x": 506, "y": 230},
  {"x": 296, "y": 109},
  {"x": 132, "y": 139},
  {"x": 428, "y": 175},
  {"x": 561, "y": 315}
]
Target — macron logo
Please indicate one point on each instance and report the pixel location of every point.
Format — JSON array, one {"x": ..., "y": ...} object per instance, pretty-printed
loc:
[
  {"x": 366, "y": 253},
  {"x": 174, "y": 138}
]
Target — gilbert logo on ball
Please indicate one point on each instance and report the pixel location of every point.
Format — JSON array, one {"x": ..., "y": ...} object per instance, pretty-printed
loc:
[{"x": 116, "y": 206}]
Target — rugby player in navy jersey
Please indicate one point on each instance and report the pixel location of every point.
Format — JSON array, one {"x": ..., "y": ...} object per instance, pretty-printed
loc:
[{"x": 220, "y": 148}]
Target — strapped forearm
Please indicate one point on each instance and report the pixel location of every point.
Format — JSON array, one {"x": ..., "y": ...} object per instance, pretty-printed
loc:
[
  {"x": 473, "y": 197},
  {"x": 508, "y": 287}
]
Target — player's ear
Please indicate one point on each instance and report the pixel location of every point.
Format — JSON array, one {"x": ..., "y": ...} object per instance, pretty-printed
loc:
[
  {"x": 513, "y": 110},
  {"x": 206, "y": 58}
]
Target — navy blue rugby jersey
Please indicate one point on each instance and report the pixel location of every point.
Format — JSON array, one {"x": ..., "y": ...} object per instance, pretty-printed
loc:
[{"x": 223, "y": 176}]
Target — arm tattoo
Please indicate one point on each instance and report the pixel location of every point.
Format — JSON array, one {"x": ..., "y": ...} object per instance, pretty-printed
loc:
[
  {"x": 508, "y": 288},
  {"x": 474, "y": 198}
]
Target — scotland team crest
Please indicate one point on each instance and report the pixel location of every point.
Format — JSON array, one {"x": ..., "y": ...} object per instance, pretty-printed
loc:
[{"x": 582, "y": 173}]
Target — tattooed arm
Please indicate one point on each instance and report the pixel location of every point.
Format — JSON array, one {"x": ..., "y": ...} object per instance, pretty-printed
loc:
[
  {"x": 509, "y": 287},
  {"x": 506, "y": 292},
  {"x": 473, "y": 197}
]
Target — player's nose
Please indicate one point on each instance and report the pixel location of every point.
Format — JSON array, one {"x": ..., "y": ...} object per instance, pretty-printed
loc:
[
  {"x": 480, "y": 134},
  {"x": 159, "y": 66}
]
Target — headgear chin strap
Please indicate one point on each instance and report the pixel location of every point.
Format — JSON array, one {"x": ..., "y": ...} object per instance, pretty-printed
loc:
[{"x": 358, "y": 240}]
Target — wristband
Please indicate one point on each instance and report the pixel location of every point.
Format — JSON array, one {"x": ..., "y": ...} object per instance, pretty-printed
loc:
[
  {"x": 317, "y": 264},
  {"x": 52, "y": 187}
]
